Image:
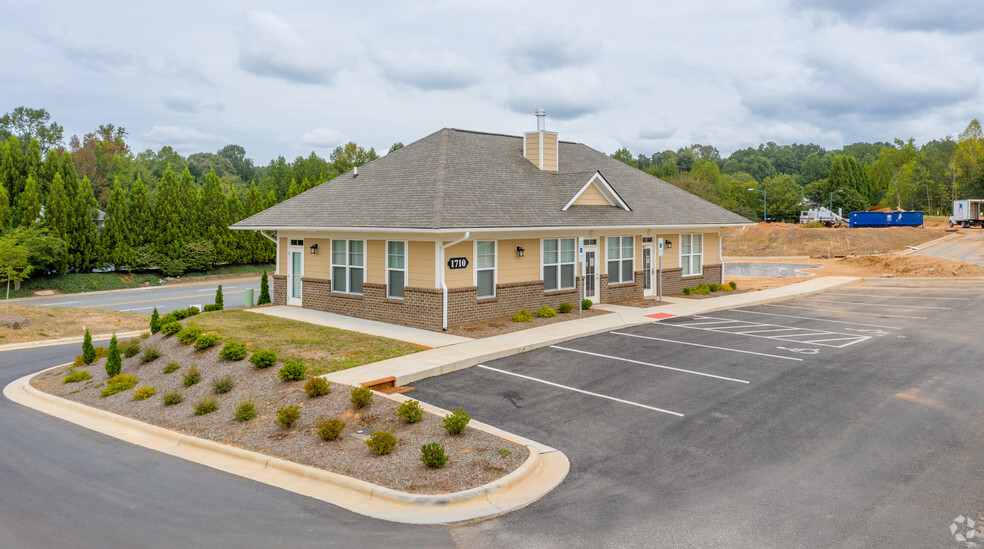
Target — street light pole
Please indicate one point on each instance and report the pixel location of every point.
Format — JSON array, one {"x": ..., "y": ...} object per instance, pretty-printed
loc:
[{"x": 765, "y": 204}]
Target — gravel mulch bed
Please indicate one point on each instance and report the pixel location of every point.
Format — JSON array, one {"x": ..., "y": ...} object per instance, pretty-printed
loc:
[
  {"x": 506, "y": 325},
  {"x": 474, "y": 455}
]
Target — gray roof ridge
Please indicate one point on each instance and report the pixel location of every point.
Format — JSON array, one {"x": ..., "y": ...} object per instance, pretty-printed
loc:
[
  {"x": 439, "y": 184},
  {"x": 496, "y": 134}
]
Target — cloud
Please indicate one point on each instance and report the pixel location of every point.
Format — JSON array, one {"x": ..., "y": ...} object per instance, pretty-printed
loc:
[
  {"x": 190, "y": 105},
  {"x": 435, "y": 70},
  {"x": 100, "y": 57},
  {"x": 655, "y": 134},
  {"x": 541, "y": 53},
  {"x": 566, "y": 94},
  {"x": 182, "y": 138},
  {"x": 954, "y": 16},
  {"x": 326, "y": 138},
  {"x": 272, "y": 48}
]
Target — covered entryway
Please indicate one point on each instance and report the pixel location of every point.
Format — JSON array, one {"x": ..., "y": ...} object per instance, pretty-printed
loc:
[{"x": 295, "y": 270}]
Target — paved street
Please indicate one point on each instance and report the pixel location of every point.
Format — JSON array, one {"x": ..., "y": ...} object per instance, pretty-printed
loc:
[
  {"x": 968, "y": 247},
  {"x": 166, "y": 298}
]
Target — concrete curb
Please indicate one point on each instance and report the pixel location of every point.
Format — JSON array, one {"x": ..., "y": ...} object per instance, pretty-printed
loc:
[
  {"x": 190, "y": 282},
  {"x": 64, "y": 340},
  {"x": 544, "y": 470}
]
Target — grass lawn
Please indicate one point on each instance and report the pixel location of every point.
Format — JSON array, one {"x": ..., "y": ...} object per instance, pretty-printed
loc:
[
  {"x": 323, "y": 349},
  {"x": 59, "y": 322}
]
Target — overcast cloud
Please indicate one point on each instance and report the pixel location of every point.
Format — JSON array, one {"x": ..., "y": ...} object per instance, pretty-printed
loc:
[{"x": 291, "y": 77}]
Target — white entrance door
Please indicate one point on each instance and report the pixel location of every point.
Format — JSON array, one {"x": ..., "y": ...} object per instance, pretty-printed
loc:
[
  {"x": 591, "y": 274},
  {"x": 295, "y": 270},
  {"x": 649, "y": 278}
]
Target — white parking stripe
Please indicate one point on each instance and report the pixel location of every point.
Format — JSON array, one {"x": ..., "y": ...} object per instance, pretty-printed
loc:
[
  {"x": 903, "y": 296},
  {"x": 872, "y": 304},
  {"x": 806, "y": 333},
  {"x": 817, "y": 319},
  {"x": 681, "y": 370},
  {"x": 706, "y": 346},
  {"x": 768, "y": 331},
  {"x": 582, "y": 391},
  {"x": 844, "y": 312}
]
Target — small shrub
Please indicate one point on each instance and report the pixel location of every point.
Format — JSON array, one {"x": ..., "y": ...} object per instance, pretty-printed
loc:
[
  {"x": 292, "y": 370},
  {"x": 118, "y": 384},
  {"x": 410, "y": 411},
  {"x": 330, "y": 429},
  {"x": 192, "y": 376},
  {"x": 206, "y": 405},
  {"x": 522, "y": 316},
  {"x": 172, "y": 367},
  {"x": 287, "y": 415},
  {"x": 546, "y": 312},
  {"x": 205, "y": 341},
  {"x": 171, "y": 328},
  {"x": 172, "y": 398},
  {"x": 433, "y": 455},
  {"x": 76, "y": 376},
  {"x": 701, "y": 289},
  {"x": 144, "y": 392},
  {"x": 88, "y": 351},
  {"x": 114, "y": 362},
  {"x": 381, "y": 442},
  {"x": 245, "y": 410},
  {"x": 504, "y": 452},
  {"x": 188, "y": 335},
  {"x": 233, "y": 351},
  {"x": 565, "y": 308},
  {"x": 687, "y": 291},
  {"x": 222, "y": 385},
  {"x": 219, "y": 303},
  {"x": 144, "y": 335},
  {"x": 263, "y": 358},
  {"x": 733, "y": 285},
  {"x": 454, "y": 423},
  {"x": 715, "y": 287},
  {"x": 360, "y": 397},
  {"x": 130, "y": 348},
  {"x": 209, "y": 307},
  {"x": 317, "y": 386},
  {"x": 150, "y": 354},
  {"x": 586, "y": 304},
  {"x": 264, "y": 290},
  {"x": 155, "y": 321}
]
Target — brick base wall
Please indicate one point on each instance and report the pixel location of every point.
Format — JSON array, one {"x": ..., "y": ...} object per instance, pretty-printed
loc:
[
  {"x": 674, "y": 282},
  {"x": 623, "y": 291},
  {"x": 279, "y": 289}
]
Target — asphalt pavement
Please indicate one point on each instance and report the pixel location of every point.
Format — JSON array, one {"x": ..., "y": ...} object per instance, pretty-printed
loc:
[
  {"x": 968, "y": 247},
  {"x": 165, "y": 298}
]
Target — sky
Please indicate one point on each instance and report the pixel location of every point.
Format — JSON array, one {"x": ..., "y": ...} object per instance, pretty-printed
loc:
[{"x": 288, "y": 78}]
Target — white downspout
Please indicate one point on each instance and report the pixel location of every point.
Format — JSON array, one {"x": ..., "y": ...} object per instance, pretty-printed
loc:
[
  {"x": 444, "y": 283},
  {"x": 272, "y": 239}
]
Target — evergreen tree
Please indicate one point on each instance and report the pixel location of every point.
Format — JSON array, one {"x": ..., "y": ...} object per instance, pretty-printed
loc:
[
  {"x": 141, "y": 215},
  {"x": 69, "y": 176},
  {"x": 114, "y": 362},
  {"x": 169, "y": 227},
  {"x": 58, "y": 215},
  {"x": 5, "y": 212},
  {"x": 10, "y": 168},
  {"x": 27, "y": 206},
  {"x": 235, "y": 244},
  {"x": 218, "y": 298},
  {"x": 264, "y": 290},
  {"x": 31, "y": 166},
  {"x": 155, "y": 321},
  {"x": 212, "y": 212},
  {"x": 117, "y": 236},
  {"x": 83, "y": 241},
  {"x": 292, "y": 190},
  {"x": 188, "y": 197},
  {"x": 88, "y": 351}
]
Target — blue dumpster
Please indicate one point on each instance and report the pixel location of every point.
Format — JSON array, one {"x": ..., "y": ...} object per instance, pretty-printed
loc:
[{"x": 886, "y": 219}]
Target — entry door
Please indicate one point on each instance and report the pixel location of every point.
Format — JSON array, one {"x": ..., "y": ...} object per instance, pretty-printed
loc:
[
  {"x": 590, "y": 270},
  {"x": 649, "y": 278},
  {"x": 295, "y": 270}
]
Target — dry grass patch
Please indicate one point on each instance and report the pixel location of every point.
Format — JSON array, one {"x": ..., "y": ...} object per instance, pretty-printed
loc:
[
  {"x": 59, "y": 322},
  {"x": 322, "y": 349}
]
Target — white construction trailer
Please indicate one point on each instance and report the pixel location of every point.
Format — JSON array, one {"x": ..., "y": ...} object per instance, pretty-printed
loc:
[{"x": 968, "y": 212}]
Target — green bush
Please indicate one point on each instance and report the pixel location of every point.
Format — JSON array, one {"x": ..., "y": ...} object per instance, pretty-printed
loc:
[
  {"x": 76, "y": 376},
  {"x": 210, "y": 307},
  {"x": 317, "y": 386},
  {"x": 114, "y": 362},
  {"x": 192, "y": 376},
  {"x": 454, "y": 423},
  {"x": 144, "y": 392},
  {"x": 330, "y": 429},
  {"x": 245, "y": 410},
  {"x": 219, "y": 303},
  {"x": 733, "y": 285},
  {"x": 150, "y": 354},
  {"x": 155, "y": 321},
  {"x": 205, "y": 341},
  {"x": 546, "y": 312},
  {"x": 206, "y": 405},
  {"x": 233, "y": 351},
  {"x": 118, "y": 384},
  {"x": 360, "y": 397},
  {"x": 715, "y": 287},
  {"x": 263, "y": 358},
  {"x": 172, "y": 398},
  {"x": 504, "y": 452},
  {"x": 586, "y": 304},
  {"x": 565, "y": 308},
  {"x": 88, "y": 351},
  {"x": 433, "y": 455},
  {"x": 188, "y": 335},
  {"x": 264, "y": 297},
  {"x": 172, "y": 367},
  {"x": 522, "y": 316},
  {"x": 292, "y": 370},
  {"x": 381, "y": 442},
  {"x": 130, "y": 348},
  {"x": 171, "y": 328},
  {"x": 701, "y": 289},
  {"x": 222, "y": 385},
  {"x": 287, "y": 415},
  {"x": 410, "y": 411},
  {"x": 144, "y": 335},
  {"x": 687, "y": 291}
]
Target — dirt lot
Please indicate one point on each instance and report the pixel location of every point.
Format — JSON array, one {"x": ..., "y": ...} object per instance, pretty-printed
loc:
[
  {"x": 58, "y": 322},
  {"x": 784, "y": 239}
]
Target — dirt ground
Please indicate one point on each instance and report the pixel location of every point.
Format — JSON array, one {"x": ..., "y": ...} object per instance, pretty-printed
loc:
[
  {"x": 59, "y": 322},
  {"x": 787, "y": 239}
]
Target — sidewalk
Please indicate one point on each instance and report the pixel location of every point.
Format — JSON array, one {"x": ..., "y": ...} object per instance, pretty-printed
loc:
[{"x": 417, "y": 366}]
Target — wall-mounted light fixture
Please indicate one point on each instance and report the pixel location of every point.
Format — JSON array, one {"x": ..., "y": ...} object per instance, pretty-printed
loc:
[
  {"x": 668, "y": 244},
  {"x": 314, "y": 249},
  {"x": 520, "y": 251}
]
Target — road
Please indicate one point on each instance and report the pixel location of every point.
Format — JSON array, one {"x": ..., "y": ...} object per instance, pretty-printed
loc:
[
  {"x": 64, "y": 486},
  {"x": 968, "y": 247},
  {"x": 165, "y": 298}
]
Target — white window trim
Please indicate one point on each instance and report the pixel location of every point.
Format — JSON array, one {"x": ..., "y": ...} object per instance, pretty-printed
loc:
[
  {"x": 604, "y": 188},
  {"x": 348, "y": 267},
  {"x": 559, "y": 263},
  {"x": 701, "y": 254},
  {"x": 495, "y": 268},
  {"x": 405, "y": 269},
  {"x": 620, "y": 259}
]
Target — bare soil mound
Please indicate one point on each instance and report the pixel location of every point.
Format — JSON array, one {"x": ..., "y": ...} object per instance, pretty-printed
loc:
[
  {"x": 785, "y": 239},
  {"x": 912, "y": 265}
]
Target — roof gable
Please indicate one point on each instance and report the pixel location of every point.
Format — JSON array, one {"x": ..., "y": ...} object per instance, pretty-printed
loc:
[{"x": 596, "y": 190}]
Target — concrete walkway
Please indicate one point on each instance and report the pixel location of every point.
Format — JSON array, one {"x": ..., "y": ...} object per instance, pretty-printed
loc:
[
  {"x": 410, "y": 368},
  {"x": 424, "y": 338}
]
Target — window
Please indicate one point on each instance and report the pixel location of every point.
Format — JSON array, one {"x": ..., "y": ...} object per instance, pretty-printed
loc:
[
  {"x": 558, "y": 263},
  {"x": 620, "y": 252},
  {"x": 485, "y": 267},
  {"x": 347, "y": 266},
  {"x": 692, "y": 254},
  {"x": 396, "y": 269}
]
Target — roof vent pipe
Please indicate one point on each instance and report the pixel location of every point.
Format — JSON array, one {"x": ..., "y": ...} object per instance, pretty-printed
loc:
[
  {"x": 356, "y": 173},
  {"x": 541, "y": 119}
]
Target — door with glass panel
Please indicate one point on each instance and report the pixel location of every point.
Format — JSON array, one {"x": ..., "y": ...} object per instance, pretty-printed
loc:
[
  {"x": 648, "y": 279},
  {"x": 295, "y": 270},
  {"x": 590, "y": 270}
]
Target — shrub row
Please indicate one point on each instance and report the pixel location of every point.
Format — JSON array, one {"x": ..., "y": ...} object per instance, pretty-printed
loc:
[{"x": 706, "y": 289}]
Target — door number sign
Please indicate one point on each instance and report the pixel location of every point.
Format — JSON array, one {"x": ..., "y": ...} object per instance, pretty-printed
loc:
[{"x": 458, "y": 263}]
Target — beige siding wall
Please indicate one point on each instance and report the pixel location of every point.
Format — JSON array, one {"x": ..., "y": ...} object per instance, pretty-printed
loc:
[
  {"x": 319, "y": 264},
  {"x": 532, "y": 152},
  {"x": 519, "y": 269},
  {"x": 460, "y": 278},
  {"x": 420, "y": 264},
  {"x": 671, "y": 256},
  {"x": 550, "y": 151},
  {"x": 592, "y": 197},
  {"x": 282, "y": 255},
  {"x": 376, "y": 261},
  {"x": 711, "y": 248}
]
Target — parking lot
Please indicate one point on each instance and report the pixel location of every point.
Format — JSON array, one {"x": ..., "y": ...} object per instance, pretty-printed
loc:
[{"x": 849, "y": 418}]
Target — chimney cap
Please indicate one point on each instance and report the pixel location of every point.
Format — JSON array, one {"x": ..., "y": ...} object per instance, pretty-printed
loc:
[{"x": 541, "y": 119}]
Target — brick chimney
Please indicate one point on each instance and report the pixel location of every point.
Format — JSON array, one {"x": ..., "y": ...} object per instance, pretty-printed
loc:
[{"x": 541, "y": 147}]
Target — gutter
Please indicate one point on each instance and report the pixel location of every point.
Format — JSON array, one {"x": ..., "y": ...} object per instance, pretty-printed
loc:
[
  {"x": 444, "y": 284},
  {"x": 422, "y": 231},
  {"x": 272, "y": 239}
]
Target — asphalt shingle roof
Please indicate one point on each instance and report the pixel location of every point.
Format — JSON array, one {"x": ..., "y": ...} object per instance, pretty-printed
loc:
[{"x": 456, "y": 179}]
